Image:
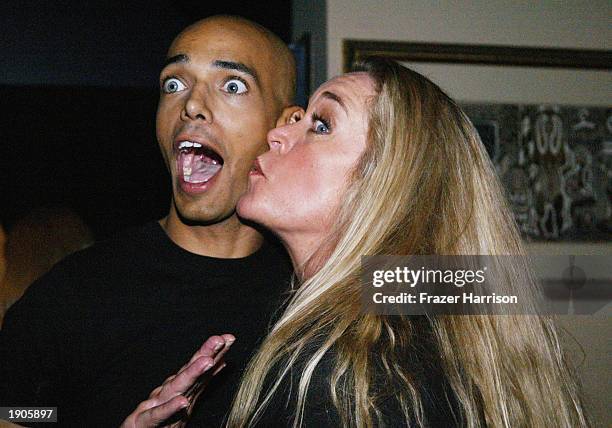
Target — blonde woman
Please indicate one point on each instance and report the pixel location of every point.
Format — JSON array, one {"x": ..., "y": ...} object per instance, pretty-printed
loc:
[{"x": 383, "y": 162}]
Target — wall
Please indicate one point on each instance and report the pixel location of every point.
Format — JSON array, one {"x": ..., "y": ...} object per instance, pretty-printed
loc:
[
  {"x": 561, "y": 24},
  {"x": 549, "y": 24},
  {"x": 576, "y": 24}
]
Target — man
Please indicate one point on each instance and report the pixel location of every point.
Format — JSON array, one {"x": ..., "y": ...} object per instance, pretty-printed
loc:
[{"x": 107, "y": 325}]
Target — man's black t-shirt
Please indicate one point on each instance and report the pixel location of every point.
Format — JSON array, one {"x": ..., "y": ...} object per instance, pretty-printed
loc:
[{"x": 109, "y": 324}]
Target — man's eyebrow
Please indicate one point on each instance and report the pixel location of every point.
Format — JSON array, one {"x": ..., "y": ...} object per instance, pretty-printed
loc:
[
  {"x": 176, "y": 58},
  {"x": 237, "y": 66},
  {"x": 334, "y": 97}
]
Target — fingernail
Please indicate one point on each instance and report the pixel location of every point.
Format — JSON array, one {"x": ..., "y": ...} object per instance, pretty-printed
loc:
[
  {"x": 221, "y": 367},
  {"x": 229, "y": 342}
]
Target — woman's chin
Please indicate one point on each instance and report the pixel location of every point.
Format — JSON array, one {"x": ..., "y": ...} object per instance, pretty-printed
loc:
[
  {"x": 247, "y": 208},
  {"x": 243, "y": 206},
  {"x": 257, "y": 211}
]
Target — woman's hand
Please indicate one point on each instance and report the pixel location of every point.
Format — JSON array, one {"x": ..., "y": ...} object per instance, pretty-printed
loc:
[{"x": 179, "y": 392}]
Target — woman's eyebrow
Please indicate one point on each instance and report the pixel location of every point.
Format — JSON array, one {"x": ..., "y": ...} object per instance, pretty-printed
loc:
[{"x": 334, "y": 97}]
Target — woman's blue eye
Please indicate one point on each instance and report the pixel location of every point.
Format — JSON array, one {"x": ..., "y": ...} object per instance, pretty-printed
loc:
[
  {"x": 172, "y": 84},
  {"x": 321, "y": 127},
  {"x": 235, "y": 86}
]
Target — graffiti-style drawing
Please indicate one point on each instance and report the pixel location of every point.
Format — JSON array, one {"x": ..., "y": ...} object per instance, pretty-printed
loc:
[
  {"x": 556, "y": 165},
  {"x": 583, "y": 114}
]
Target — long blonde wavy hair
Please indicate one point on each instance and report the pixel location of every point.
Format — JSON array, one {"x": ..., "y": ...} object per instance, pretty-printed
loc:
[{"x": 425, "y": 185}]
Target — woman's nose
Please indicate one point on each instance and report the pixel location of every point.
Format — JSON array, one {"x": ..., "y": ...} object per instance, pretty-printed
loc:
[{"x": 284, "y": 136}]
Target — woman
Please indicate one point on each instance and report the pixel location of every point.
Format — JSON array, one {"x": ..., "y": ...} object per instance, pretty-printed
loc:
[{"x": 383, "y": 162}]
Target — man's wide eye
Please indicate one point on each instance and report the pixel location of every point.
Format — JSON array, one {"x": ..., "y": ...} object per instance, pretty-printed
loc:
[
  {"x": 235, "y": 86},
  {"x": 172, "y": 84}
]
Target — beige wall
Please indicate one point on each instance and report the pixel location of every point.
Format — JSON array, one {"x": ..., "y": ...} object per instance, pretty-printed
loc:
[
  {"x": 576, "y": 24},
  {"x": 562, "y": 24},
  {"x": 567, "y": 24}
]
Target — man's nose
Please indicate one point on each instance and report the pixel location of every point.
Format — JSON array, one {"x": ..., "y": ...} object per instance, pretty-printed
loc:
[{"x": 196, "y": 107}]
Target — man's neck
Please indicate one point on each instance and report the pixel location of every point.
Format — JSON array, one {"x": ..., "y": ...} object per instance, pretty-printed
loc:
[{"x": 228, "y": 239}]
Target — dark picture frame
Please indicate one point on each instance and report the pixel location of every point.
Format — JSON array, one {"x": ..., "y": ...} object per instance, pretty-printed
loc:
[{"x": 591, "y": 59}]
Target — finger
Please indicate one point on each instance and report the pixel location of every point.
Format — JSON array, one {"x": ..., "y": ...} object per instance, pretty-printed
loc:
[
  {"x": 186, "y": 378},
  {"x": 215, "y": 344},
  {"x": 218, "y": 368},
  {"x": 212, "y": 346},
  {"x": 194, "y": 391},
  {"x": 228, "y": 338},
  {"x": 221, "y": 352},
  {"x": 158, "y": 414},
  {"x": 208, "y": 349},
  {"x": 218, "y": 359},
  {"x": 156, "y": 391}
]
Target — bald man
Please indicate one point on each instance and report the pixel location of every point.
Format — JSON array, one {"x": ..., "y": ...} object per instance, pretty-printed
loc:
[{"x": 97, "y": 334}]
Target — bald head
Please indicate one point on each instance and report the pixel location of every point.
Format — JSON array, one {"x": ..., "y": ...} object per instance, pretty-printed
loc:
[
  {"x": 277, "y": 61},
  {"x": 225, "y": 83}
]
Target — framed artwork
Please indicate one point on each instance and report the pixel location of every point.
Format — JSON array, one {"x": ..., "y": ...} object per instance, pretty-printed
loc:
[{"x": 545, "y": 117}]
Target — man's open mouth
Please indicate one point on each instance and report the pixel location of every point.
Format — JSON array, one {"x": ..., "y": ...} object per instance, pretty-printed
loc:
[{"x": 197, "y": 163}]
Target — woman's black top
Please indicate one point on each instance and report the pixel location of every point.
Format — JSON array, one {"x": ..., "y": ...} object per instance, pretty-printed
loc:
[{"x": 439, "y": 403}]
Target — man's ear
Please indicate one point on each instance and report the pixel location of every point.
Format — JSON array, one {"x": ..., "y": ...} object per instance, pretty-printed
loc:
[{"x": 290, "y": 115}]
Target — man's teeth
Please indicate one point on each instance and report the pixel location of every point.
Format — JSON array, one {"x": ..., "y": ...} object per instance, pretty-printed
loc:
[{"x": 188, "y": 145}]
